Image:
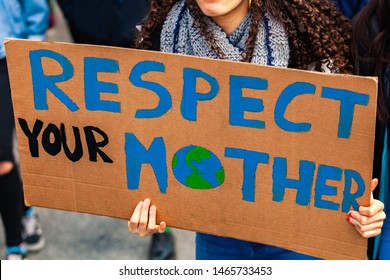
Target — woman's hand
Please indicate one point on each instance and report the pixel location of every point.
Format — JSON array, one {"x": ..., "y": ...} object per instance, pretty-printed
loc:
[
  {"x": 143, "y": 220},
  {"x": 368, "y": 221}
]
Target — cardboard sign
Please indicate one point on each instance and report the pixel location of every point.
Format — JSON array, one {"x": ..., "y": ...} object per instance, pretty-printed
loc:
[{"x": 264, "y": 154}]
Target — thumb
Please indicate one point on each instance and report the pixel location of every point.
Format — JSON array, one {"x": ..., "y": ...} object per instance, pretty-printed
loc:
[{"x": 374, "y": 183}]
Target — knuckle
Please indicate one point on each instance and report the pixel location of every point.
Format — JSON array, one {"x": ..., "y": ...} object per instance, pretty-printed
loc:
[
  {"x": 363, "y": 220},
  {"x": 150, "y": 229},
  {"x": 132, "y": 225},
  {"x": 142, "y": 224},
  {"x": 371, "y": 212},
  {"x": 131, "y": 228},
  {"x": 365, "y": 234}
]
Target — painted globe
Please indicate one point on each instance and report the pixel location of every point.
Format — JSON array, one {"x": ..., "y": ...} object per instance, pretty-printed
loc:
[{"x": 198, "y": 168}]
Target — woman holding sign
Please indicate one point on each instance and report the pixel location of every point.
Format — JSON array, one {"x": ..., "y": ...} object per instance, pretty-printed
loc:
[
  {"x": 308, "y": 34},
  {"x": 371, "y": 50}
]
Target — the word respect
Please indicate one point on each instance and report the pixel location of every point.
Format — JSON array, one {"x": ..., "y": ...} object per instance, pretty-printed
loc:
[{"x": 238, "y": 104}]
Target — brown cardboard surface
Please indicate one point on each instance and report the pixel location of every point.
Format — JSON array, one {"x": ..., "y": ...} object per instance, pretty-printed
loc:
[{"x": 310, "y": 220}]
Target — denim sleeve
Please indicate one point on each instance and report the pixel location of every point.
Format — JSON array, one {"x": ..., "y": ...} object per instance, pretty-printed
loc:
[{"x": 36, "y": 14}]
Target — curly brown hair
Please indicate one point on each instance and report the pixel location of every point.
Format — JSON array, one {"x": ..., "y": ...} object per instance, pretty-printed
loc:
[{"x": 317, "y": 31}]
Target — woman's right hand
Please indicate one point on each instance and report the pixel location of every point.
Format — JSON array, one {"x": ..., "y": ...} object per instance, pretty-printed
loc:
[{"x": 143, "y": 220}]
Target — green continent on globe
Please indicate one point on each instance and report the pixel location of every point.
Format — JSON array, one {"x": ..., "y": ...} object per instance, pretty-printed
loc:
[
  {"x": 175, "y": 160},
  {"x": 194, "y": 180},
  {"x": 220, "y": 176}
]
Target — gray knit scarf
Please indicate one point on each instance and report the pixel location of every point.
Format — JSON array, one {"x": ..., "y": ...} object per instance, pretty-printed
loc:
[{"x": 179, "y": 35}]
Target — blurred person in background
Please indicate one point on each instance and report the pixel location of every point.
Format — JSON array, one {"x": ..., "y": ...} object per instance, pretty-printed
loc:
[{"x": 24, "y": 19}]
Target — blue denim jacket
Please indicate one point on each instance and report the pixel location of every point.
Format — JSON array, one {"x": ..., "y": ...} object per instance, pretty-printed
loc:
[{"x": 23, "y": 19}]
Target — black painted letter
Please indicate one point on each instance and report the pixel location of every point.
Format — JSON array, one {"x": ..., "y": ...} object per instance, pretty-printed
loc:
[
  {"x": 93, "y": 146},
  {"x": 32, "y": 136}
]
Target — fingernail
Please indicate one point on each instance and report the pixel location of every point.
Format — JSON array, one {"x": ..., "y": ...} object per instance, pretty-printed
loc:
[
  {"x": 350, "y": 214},
  {"x": 348, "y": 218},
  {"x": 147, "y": 201}
]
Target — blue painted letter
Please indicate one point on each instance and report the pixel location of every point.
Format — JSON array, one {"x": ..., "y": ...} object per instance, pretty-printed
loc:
[
  {"x": 190, "y": 99},
  {"x": 348, "y": 100},
  {"x": 251, "y": 160},
  {"x": 288, "y": 94},
  {"x": 137, "y": 154},
  {"x": 303, "y": 185},
  {"x": 349, "y": 198},
  {"x": 239, "y": 104},
  {"x": 42, "y": 83},
  {"x": 326, "y": 173},
  {"x": 93, "y": 87},
  {"x": 165, "y": 102}
]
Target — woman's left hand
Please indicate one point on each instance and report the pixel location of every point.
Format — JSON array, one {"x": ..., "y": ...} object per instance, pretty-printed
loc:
[{"x": 368, "y": 221}]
